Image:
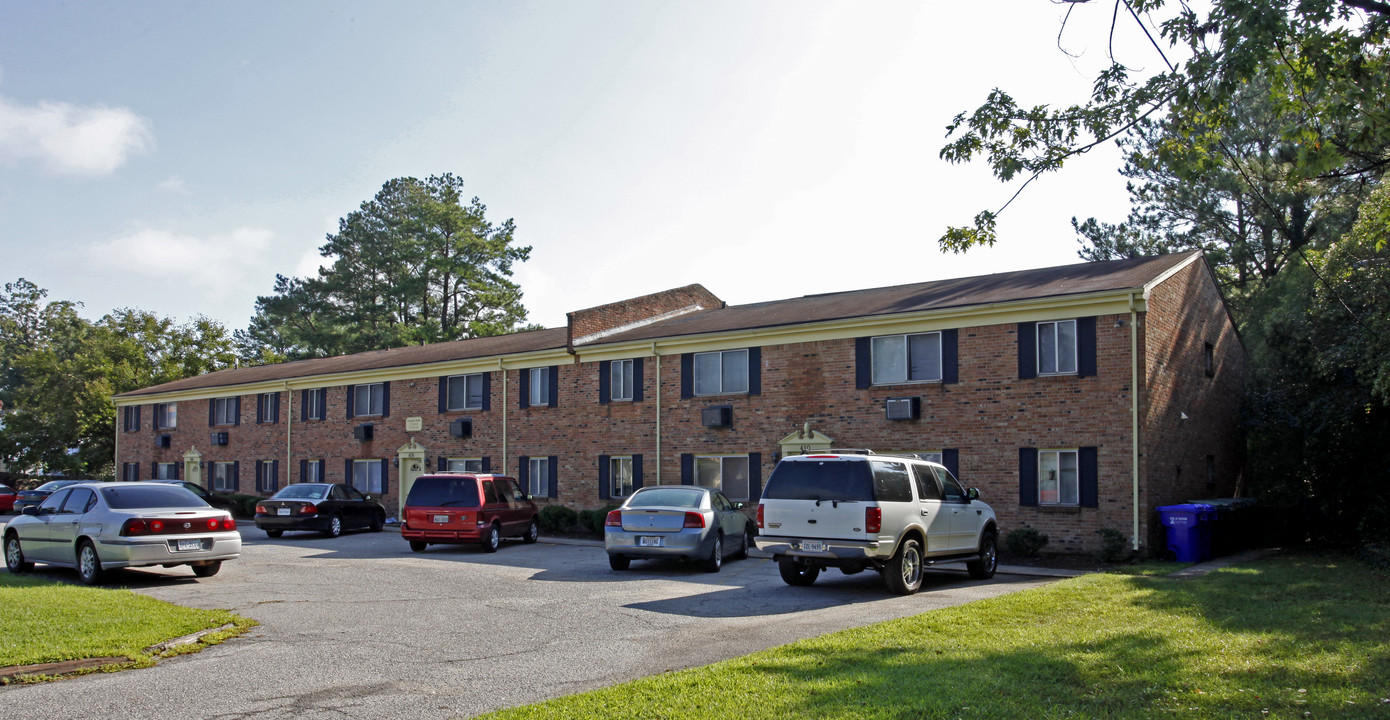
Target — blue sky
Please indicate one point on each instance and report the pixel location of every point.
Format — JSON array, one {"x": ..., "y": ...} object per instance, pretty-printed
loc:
[{"x": 174, "y": 157}]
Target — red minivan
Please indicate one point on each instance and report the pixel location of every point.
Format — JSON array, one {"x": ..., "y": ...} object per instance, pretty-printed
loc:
[{"x": 457, "y": 508}]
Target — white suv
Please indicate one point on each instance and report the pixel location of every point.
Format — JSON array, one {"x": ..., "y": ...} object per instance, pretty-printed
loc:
[{"x": 855, "y": 510}]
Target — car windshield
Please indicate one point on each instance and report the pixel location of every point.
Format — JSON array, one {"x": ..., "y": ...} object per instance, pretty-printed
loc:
[
  {"x": 150, "y": 496},
  {"x": 303, "y": 490},
  {"x": 669, "y": 497},
  {"x": 443, "y": 492},
  {"x": 829, "y": 479},
  {"x": 52, "y": 485}
]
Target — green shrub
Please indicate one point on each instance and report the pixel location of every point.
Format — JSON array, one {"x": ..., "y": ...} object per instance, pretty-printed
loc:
[
  {"x": 1114, "y": 545},
  {"x": 600, "y": 517},
  {"x": 585, "y": 520},
  {"x": 1025, "y": 542},
  {"x": 557, "y": 518}
]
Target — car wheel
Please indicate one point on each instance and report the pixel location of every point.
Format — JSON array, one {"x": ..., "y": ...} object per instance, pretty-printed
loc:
[
  {"x": 716, "y": 555},
  {"x": 335, "y": 527},
  {"x": 208, "y": 570},
  {"x": 795, "y": 573},
  {"x": 619, "y": 562},
  {"x": 274, "y": 533},
  {"x": 533, "y": 533},
  {"x": 745, "y": 544},
  {"x": 88, "y": 563},
  {"x": 983, "y": 569},
  {"x": 14, "y": 556},
  {"x": 378, "y": 522},
  {"x": 903, "y": 575},
  {"x": 492, "y": 539},
  {"x": 418, "y": 545}
]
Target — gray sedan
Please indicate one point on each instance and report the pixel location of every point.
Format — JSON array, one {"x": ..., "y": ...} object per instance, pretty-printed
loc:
[
  {"x": 99, "y": 526},
  {"x": 677, "y": 521}
]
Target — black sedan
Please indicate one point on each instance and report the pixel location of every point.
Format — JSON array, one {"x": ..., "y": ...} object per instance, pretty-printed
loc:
[
  {"x": 220, "y": 502},
  {"x": 329, "y": 508},
  {"x": 33, "y": 497}
]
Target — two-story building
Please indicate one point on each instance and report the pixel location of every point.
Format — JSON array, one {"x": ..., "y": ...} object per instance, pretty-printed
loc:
[{"x": 1076, "y": 398}]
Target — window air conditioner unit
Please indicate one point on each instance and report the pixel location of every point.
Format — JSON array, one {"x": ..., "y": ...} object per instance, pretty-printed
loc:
[
  {"x": 905, "y": 408},
  {"x": 461, "y": 427},
  {"x": 219, "y": 438},
  {"x": 718, "y": 416},
  {"x": 363, "y": 432},
  {"x": 163, "y": 440}
]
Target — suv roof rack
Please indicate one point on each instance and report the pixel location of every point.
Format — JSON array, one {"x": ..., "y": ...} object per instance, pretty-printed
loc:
[{"x": 846, "y": 451}]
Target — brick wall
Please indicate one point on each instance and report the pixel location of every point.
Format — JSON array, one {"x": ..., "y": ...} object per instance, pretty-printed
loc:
[{"x": 583, "y": 323}]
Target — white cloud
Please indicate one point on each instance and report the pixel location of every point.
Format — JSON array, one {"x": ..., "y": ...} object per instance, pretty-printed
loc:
[
  {"x": 175, "y": 184},
  {"x": 207, "y": 262},
  {"x": 72, "y": 140}
]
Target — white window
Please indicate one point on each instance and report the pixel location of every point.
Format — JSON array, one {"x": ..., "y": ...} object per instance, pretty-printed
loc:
[
  {"x": 130, "y": 472},
  {"x": 1058, "y": 481},
  {"x": 620, "y": 380},
  {"x": 540, "y": 386},
  {"x": 166, "y": 471},
  {"x": 313, "y": 472},
  {"x": 538, "y": 477},
  {"x": 727, "y": 473},
  {"x": 619, "y": 477},
  {"x": 224, "y": 411},
  {"x": 223, "y": 477},
  {"x": 465, "y": 392},
  {"x": 906, "y": 358},
  {"x": 368, "y": 399},
  {"x": 130, "y": 421},
  {"x": 166, "y": 416},
  {"x": 269, "y": 405},
  {"x": 468, "y": 465},
  {"x": 721, "y": 373},
  {"x": 1057, "y": 347},
  {"x": 366, "y": 475},
  {"x": 314, "y": 400},
  {"x": 266, "y": 481}
]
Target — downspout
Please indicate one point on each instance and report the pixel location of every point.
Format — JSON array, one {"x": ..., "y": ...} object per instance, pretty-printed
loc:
[
  {"x": 116, "y": 446},
  {"x": 1134, "y": 411},
  {"x": 289, "y": 434},
  {"x": 657, "y": 355},
  {"x": 502, "y": 368}
]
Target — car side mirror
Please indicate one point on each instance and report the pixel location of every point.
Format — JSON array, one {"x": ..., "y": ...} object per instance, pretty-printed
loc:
[
  {"x": 972, "y": 494},
  {"x": 740, "y": 506},
  {"x": 30, "y": 510},
  {"x": 367, "y": 497}
]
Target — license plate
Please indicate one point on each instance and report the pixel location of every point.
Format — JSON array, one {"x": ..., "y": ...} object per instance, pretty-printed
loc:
[
  {"x": 282, "y": 511},
  {"x": 812, "y": 546},
  {"x": 187, "y": 545},
  {"x": 648, "y": 541},
  {"x": 441, "y": 519}
]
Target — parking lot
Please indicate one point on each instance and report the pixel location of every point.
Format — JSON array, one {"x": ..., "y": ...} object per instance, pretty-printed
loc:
[{"x": 361, "y": 627}]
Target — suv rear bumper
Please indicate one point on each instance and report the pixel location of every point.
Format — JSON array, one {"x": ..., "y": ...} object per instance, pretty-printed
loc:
[{"x": 835, "y": 550}]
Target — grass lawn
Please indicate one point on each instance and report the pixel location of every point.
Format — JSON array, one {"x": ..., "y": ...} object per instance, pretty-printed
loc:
[
  {"x": 42, "y": 622},
  {"x": 1288, "y": 637}
]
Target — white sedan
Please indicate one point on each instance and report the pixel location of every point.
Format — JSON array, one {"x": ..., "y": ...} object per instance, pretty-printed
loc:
[{"x": 98, "y": 526}]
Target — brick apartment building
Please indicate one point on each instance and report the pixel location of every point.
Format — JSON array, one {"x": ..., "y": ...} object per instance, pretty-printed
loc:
[{"x": 1021, "y": 383}]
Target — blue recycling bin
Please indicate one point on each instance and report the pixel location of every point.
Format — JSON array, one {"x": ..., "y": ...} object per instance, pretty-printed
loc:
[{"x": 1189, "y": 530}]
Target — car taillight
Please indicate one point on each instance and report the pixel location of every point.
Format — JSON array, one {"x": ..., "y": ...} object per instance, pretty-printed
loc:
[
  {"x": 873, "y": 520},
  {"x": 260, "y": 510},
  {"x": 614, "y": 519},
  {"x": 229, "y": 523},
  {"x": 308, "y": 509},
  {"x": 224, "y": 523},
  {"x": 760, "y": 516},
  {"x": 134, "y": 527},
  {"x": 694, "y": 520}
]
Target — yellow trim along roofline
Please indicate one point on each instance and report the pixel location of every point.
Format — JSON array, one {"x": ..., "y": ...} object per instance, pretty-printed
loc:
[{"x": 1110, "y": 302}]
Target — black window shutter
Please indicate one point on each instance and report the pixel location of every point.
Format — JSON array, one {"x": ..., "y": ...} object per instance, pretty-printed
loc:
[
  {"x": 554, "y": 473},
  {"x": 236, "y": 419},
  {"x": 950, "y": 458},
  {"x": 755, "y": 371},
  {"x": 637, "y": 379},
  {"x": 687, "y": 469},
  {"x": 950, "y": 359},
  {"x": 1089, "y": 480},
  {"x": 525, "y": 389},
  {"x": 260, "y": 407},
  {"x": 236, "y": 476},
  {"x": 636, "y": 472},
  {"x": 487, "y": 464},
  {"x": 553, "y": 376},
  {"x": 687, "y": 376},
  {"x": 863, "y": 364},
  {"x": 304, "y": 471},
  {"x": 386, "y": 401},
  {"x": 523, "y": 472},
  {"x": 212, "y": 412},
  {"x": 603, "y": 477},
  {"x": 385, "y": 476},
  {"x": 323, "y": 404},
  {"x": 1027, "y": 477},
  {"x": 137, "y": 417},
  {"x": 303, "y": 405},
  {"x": 350, "y": 400},
  {"x": 154, "y": 470},
  {"x": 605, "y": 391},
  {"x": 276, "y": 412},
  {"x": 275, "y": 476},
  {"x": 441, "y": 463},
  {"x": 323, "y": 470},
  {"x": 1085, "y": 346},
  {"x": 487, "y": 391},
  {"x": 1028, "y": 353},
  {"x": 177, "y": 469},
  {"x": 755, "y": 476},
  {"x": 347, "y": 471},
  {"x": 443, "y": 394}
]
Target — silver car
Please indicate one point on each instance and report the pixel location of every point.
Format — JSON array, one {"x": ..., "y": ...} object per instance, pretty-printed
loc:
[
  {"x": 677, "y": 521},
  {"x": 99, "y": 526}
]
